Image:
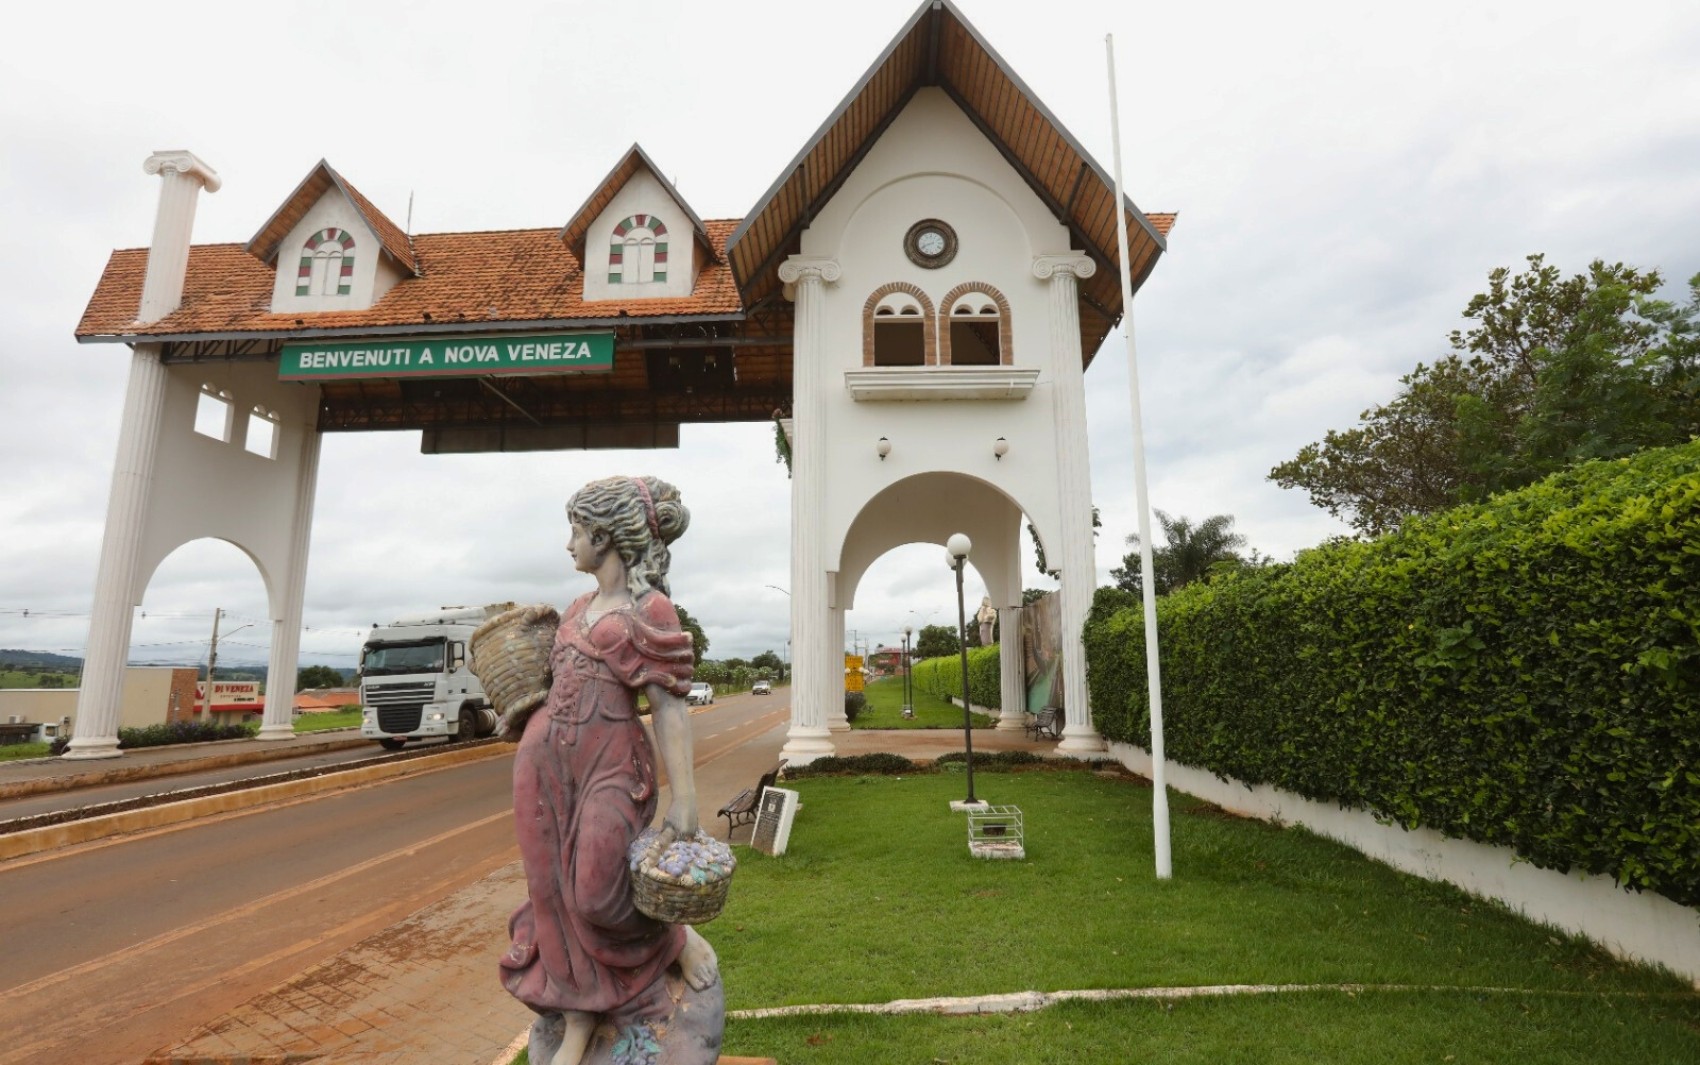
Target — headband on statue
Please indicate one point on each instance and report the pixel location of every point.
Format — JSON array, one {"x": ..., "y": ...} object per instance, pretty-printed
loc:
[{"x": 648, "y": 507}]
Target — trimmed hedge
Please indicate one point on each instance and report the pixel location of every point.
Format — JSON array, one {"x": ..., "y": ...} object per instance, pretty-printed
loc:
[
  {"x": 943, "y": 676},
  {"x": 1523, "y": 672}
]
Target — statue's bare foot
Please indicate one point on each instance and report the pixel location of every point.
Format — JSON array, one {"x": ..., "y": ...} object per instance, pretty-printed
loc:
[
  {"x": 698, "y": 962},
  {"x": 580, "y": 1026}
]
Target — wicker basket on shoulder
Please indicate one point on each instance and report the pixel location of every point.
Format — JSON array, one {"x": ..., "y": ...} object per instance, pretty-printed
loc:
[
  {"x": 510, "y": 657},
  {"x": 680, "y": 900}
]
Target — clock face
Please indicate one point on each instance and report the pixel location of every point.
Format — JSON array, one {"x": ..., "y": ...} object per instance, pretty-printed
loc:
[{"x": 930, "y": 243}]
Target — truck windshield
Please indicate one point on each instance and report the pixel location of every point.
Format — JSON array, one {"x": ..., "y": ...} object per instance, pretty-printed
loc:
[{"x": 416, "y": 656}]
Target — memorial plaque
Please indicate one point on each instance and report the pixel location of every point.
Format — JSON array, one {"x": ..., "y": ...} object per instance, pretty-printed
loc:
[{"x": 774, "y": 815}]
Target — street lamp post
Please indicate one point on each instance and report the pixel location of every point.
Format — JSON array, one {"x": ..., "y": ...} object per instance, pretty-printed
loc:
[
  {"x": 908, "y": 689},
  {"x": 958, "y": 546}
]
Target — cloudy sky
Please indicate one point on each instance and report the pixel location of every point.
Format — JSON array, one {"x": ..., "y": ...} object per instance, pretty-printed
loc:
[{"x": 1346, "y": 176}]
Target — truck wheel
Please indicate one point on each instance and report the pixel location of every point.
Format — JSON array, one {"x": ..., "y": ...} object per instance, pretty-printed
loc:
[
  {"x": 390, "y": 743},
  {"x": 468, "y": 727}
]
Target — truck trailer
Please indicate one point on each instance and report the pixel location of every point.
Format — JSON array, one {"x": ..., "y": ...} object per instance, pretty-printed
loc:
[{"x": 414, "y": 681}]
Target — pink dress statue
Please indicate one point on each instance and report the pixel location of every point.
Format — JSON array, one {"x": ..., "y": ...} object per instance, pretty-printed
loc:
[{"x": 584, "y": 788}]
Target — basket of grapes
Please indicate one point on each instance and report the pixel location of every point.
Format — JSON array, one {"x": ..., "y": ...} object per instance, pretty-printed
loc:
[{"x": 683, "y": 883}]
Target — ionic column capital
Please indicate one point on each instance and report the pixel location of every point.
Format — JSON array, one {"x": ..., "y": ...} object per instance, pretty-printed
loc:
[
  {"x": 185, "y": 163},
  {"x": 1073, "y": 264},
  {"x": 801, "y": 267}
]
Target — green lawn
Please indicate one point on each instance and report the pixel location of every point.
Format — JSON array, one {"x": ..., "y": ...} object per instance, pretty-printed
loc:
[
  {"x": 885, "y": 709},
  {"x": 32, "y": 678},
  {"x": 878, "y": 899},
  {"x": 11, "y": 752},
  {"x": 327, "y": 719}
]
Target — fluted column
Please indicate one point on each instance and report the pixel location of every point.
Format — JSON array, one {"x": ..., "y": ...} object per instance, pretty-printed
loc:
[
  {"x": 818, "y": 674},
  {"x": 1074, "y": 491},
  {"x": 286, "y": 629},
  {"x": 1012, "y": 678},
  {"x": 835, "y": 719},
  {"x": 96, "y": 733}
]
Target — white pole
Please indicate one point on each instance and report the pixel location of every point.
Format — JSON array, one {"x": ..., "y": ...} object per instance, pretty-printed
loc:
[{"x": 1142, "y": 501}]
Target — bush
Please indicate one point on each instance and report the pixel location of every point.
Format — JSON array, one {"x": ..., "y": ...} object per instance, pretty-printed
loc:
[
  {"x": 854, "y": 702},
  {"x": 181, "y": 732},
  {"x": 877, "y": 762},
  {"x": 943, "y": 677},
  {"x": 1523, "y": 672},
  {"x": 999, "y": 759}
]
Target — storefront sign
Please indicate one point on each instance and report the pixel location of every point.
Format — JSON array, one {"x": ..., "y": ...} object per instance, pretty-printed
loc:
[
  {"x": 229, "y": 695},
  {"x": 547, "y": 353}
]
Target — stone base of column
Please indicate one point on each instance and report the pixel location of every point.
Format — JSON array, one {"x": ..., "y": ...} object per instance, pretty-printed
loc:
[
  {"x": 837, "y": 722},
  {"x": 1012, "y": 721},
  {"x": 276, "y": 732},
  {"x": 105, "y": 747},
  {"x": 1081, "y": 741},
  {"x": 804, "y": 744}
]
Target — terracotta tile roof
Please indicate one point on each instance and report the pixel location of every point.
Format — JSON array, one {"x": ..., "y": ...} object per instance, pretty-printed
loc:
[
  {"x": 318, "y": 181},
  {"x": 324, "y": 699},
  {"x": 1162, "y": 222},
  {"x": 496, "y": 280},
  {"x": 579, "y": 225}
]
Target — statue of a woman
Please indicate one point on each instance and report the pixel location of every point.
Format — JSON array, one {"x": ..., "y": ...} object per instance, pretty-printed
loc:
[
  {"x": 585, "y": 787},
  {"x": 987, "y": 616}
]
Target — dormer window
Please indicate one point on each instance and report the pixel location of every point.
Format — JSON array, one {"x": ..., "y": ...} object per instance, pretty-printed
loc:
[
  {"x": 327, "y": 264},
  {"x": 637, "y": 254},
  {"x": 976, "y": 327}
]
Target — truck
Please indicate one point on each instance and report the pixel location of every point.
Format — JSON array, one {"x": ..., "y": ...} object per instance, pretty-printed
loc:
[{"x": 414, "y": 680}]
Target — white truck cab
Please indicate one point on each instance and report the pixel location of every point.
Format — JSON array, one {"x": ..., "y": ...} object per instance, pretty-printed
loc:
[{"x": 414, "y": 681}]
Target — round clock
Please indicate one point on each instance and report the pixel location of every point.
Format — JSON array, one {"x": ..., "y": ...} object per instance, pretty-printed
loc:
[{"x": 930, "y": 243}]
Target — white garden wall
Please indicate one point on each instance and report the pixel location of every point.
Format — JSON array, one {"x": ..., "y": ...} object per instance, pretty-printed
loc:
[{"x": 1640, "y": 926}]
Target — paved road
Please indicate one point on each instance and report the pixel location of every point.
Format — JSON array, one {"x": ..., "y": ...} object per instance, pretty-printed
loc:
[{"x": 115, "y": 948}]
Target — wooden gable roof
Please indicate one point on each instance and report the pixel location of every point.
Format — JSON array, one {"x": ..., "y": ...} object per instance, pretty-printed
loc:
[{"x": 938, "y": 47}]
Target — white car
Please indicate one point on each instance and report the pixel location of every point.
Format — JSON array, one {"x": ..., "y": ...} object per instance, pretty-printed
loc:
[
  {"x": 701, "y": 694},
  {"x": 762, "y": 687}
]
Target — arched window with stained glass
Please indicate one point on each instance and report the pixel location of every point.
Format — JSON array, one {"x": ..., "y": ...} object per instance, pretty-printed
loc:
[
  {"x": 327, "y": 264},
  {"x": 637, "y": 253}
]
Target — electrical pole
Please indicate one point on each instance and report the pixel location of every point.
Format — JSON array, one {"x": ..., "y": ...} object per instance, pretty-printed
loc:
[{"x": 212, "y": 660}]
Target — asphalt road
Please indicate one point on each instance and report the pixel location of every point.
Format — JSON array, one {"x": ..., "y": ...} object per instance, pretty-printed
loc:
[{"x": 115, "y": 948}]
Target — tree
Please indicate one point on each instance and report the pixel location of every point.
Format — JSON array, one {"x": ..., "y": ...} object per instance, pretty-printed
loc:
[
  {"x": 317, "y": 677},
  {"x": 1039, "y": 548},
  {"x": 769, "y": 664},
  {"x": 699, "y": 640},
  {"x": 936, "y": 641},
  {"x": 1554, "y": 372},
  {"x": 1189, "y": 554}
]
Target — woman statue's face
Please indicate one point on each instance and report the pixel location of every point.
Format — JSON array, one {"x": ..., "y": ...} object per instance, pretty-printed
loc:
[{"x": 586, "y": 550}]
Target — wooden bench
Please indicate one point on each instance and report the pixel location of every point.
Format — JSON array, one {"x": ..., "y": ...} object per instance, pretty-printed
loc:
[
  {"x": 1047, "y": 722},
  {"x": 742, "y": 809}
]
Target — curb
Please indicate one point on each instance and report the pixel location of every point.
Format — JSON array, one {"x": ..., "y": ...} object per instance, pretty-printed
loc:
[
  {"x": 17, "y": 789},
  {"x": 50, "y": 837}
]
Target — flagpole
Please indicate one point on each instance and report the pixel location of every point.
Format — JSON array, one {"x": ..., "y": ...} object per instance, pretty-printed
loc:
[{"x": 1154, "y": 679}]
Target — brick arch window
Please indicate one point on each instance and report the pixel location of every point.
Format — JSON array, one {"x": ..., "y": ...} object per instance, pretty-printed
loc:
[
  {"x": 899, "y": 327},
  {"x": 976, "y": 329},
  {"x": 327, "y": 264},
  {"x": 637, "y": 254}
]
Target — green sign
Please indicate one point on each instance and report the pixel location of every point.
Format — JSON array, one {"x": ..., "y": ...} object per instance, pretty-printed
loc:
[{"x": 548, "y": 353}]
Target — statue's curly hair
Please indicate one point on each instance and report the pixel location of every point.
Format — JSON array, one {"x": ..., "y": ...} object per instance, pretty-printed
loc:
[{"x": 641, "y": 516}]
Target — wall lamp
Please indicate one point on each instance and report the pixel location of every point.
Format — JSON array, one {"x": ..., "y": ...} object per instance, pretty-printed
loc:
[
  {"x": 883, "y": 447},
  {"x": 1000, "y": 448}
]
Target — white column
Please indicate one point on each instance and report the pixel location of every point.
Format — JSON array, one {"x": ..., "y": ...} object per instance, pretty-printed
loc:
[
  {"x": 1074, "y": 484},
  {"x": 96, "y": 733},
  {"x": 1012, "y": 680},
  {"x": 835, "y": 719},
  {"x": 115, "y": 590},
  {"x": 286, "y": 629},
  {"x": 818, "y": 673}
]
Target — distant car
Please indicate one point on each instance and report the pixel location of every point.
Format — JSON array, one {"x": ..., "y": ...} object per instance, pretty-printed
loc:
[
  {"x": 762, "y": 687},
  {"x": 701, "y": 694}
]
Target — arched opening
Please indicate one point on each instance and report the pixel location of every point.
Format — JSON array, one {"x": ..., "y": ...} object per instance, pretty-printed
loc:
[
  {"x": 976, "y": 330},
  {"x": 173, "y": 632},
  {"x": 898, "y": 327}
]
